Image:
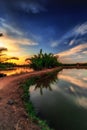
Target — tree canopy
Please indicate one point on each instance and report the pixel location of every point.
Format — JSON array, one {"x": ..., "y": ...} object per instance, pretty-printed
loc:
[{"x": 43, "y": 60}]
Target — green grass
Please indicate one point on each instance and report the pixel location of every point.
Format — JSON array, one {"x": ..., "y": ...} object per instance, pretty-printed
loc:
[{"x": 29, "y": 107}]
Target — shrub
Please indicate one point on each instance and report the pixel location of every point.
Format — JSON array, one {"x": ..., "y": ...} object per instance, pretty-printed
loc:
[{"x": 43, "y": 60}]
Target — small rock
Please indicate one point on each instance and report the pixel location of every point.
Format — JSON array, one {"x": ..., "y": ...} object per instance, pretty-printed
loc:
[{"x": 10, "y": 102}]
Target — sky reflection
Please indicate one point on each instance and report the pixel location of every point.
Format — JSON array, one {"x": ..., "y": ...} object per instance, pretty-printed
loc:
[{"x": 65, "y": 106}]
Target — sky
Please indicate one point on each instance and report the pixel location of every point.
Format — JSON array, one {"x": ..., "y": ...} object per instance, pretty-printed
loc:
[{"x": 56, "y": 26}]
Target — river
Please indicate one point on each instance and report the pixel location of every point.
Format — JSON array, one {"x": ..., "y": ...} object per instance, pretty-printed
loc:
[
  {"x": 16, "y": 70},
  {"x": 61, "y": 99}
]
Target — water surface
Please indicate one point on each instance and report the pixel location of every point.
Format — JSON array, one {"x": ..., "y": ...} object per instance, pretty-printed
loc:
[
  {"x": 16, "y": 70},
  {"x": 61, "y": 99}
]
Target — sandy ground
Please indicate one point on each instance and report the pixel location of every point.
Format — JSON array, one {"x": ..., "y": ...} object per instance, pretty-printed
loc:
[{"x": 12, "y": 113}]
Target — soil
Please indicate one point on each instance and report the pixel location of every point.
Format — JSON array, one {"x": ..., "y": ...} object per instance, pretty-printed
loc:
[{"x": 12, "y": 113}]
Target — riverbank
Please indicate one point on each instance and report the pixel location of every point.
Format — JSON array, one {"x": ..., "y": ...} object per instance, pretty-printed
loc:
[{"x": 12, "y": 112}]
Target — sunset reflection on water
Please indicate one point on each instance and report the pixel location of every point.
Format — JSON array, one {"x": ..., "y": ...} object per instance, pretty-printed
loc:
[{"x": 16, "y": 71}]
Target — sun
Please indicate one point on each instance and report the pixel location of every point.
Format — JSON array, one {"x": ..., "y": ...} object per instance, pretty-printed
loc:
[{"x": 1, "y": 44}]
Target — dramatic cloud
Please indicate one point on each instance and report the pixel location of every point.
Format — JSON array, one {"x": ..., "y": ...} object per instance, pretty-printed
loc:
[
  {"x": 73, "y": 54},
  {"x": 14, "y": 39},
  {"x": 14, "y": 45},
  {"x": 75, "y": 36},
  {"x": 8, "y": 29},
  {"x": 55, "y": 26},
  {"x": 74, "y": 50},
  {"x": 14, "y": 33}
]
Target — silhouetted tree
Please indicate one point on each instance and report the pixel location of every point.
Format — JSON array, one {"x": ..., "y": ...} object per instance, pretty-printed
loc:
[
  {"x": 2, "y": 49},
  {"x": 43, "y": 60},
  {"x": 14, "y": 58},
  {"x": 1, "y": 34}
]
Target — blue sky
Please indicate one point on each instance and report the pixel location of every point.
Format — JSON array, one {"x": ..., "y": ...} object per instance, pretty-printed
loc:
[{"x": 57, "y": 26}]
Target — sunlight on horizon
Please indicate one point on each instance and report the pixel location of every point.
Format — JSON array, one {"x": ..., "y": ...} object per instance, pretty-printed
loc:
[{"x": 13, "y": 50}]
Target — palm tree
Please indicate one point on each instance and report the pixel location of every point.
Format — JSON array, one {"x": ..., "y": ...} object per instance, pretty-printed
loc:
[
  {"x": 1, "y": 34},
  {"x": 2, "y": 49},
  {"x": 41, "y": 53},
  {"x": 42, "y": 60}
]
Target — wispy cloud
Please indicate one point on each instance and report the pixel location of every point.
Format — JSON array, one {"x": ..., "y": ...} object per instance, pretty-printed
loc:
[
  {"x": 74, "y": 54},
  {"x": 15, "y": 40},
  {"x": 14, "y": 34},
  {"x": 74, "y": 36},
  {"x": 8, "y": 29},
  {"x": 84, "y": 52},
  {"x": 73, "y": 50},
  {"x": 81, "y": 29},
  {"x": 2, "y": 19},
  {"x": 71, "y": 42},
  {"x": 54, "y": 44},
  {"x": 77, "y": 33},
  {"x": 74, "y": 44},
  {"x": 30, "y": 6}
]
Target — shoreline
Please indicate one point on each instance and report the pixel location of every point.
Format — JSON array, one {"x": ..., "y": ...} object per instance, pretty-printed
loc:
[{"x": 12, "y": 112}]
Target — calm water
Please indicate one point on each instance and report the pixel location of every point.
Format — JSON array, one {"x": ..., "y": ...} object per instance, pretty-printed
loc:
[
  {"x": 16, "y": 71},
  {"x": 61, "y": 99}
]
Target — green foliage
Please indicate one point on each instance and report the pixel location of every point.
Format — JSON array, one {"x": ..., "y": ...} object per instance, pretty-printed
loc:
[
  {"x": 43, "y": 60},
  {"x": 6, "y": 65},
  {"x": 2, "y": 66}
]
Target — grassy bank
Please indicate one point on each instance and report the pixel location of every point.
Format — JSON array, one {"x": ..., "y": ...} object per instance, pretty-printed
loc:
[{"x": 28, "y": 104}]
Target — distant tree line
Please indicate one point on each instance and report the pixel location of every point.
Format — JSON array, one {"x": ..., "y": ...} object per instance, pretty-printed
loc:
[{"x": 4, "y": 59}]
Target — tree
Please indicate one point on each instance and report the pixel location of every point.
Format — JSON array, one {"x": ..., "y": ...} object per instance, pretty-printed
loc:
[
  {"x": 1, "y": 34},
  {"x": 42, "y": 61},
  {"x": 2, "y": 59}
]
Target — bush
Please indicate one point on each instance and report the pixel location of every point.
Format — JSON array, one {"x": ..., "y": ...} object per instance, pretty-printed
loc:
[{"x": 42, "y": 61}]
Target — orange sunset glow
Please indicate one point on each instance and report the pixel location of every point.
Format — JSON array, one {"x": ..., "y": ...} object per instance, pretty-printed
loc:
[{"x": 14, "y": 49}]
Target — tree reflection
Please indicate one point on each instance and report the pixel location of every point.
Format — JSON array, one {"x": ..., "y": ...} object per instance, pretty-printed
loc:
[{"x": 46, "y": 81}]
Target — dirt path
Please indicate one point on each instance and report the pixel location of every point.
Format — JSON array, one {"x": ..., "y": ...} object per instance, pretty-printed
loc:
[{"x": 12, "y": 112}]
